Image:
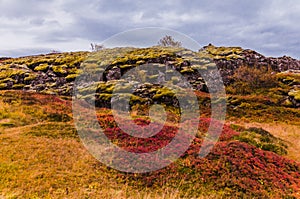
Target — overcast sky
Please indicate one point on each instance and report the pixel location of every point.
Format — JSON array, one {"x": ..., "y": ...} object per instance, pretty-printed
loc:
[{"x": 271, "y": 27}]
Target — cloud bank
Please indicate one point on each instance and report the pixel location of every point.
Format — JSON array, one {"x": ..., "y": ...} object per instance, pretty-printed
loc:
[{"x": 39, "y": 26}]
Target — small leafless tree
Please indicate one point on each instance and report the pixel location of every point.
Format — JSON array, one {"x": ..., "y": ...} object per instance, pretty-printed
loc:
[{"x": 168, "y": 41}]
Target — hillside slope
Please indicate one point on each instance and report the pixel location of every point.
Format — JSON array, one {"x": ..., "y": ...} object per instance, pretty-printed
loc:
[{"x": 43, "y": 157}]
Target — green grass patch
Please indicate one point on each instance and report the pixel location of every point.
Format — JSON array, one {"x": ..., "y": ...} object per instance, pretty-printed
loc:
[
  {"x": 261, "y": 138},
  {"x": 53, "y": 130}
]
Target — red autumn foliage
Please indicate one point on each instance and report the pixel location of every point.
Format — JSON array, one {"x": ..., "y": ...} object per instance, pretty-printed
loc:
[{"x": 233, "y": 166}]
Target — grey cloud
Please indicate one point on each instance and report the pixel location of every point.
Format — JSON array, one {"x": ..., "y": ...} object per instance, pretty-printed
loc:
[
  {"x": 37, "y": 21},
  {"x": 24, "y": 9},
  {"x": 270, "y": 27},
  {"x": 83, "y": 28}
]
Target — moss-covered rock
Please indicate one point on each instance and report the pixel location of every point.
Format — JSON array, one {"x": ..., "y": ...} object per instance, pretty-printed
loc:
[
  {"x": 163, "y": 93},
  {"x": 140, "y": 62},
  {"x": 18, "y": 86},
  {"x": 42, "y": 67},
  {"x": 105, "y": 87},
  {"x": 29, "y": 77},
  {"x": 11, "y": 73},
  {"x": 3, "y": 86},
  {"x": 7, "y": 80},
  {"x": 60, "y": 70},
  {"x": 71, "y": 77},
  {"x": 295, "y": 94},
  {"x": 127, "y": 66},
  {"x": 186, "y": 70},
  {"x": 104, "y": 97}
]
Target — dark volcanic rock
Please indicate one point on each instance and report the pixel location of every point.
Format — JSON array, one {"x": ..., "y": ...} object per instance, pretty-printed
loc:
[{"x": 251, "y": 58}]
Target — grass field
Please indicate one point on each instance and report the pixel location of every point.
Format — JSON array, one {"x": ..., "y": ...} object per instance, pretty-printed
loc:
[{"x": 42, "y": 157}]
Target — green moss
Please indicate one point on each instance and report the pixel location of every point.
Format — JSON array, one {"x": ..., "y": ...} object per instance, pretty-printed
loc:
[
  {"x": 227, "y": 53},
  {"x": 260, "y": 138},
  {"x": 30, "y": 77},
  {"x": 7, "y": 80},
  {"x": 289, "y": 78},
  {"x": 71, "y": 77},
  {"x": 91, "y": 89},
  {"x": 18, "y": 86},
  {"x": 152, "y": 78},
  {"x": 41, "y": 67},
  {"x": 4, "y": 67},
  {"x": 187, "y": 70},
  {"x": 163, "y": 92},
  {"x": 286, "y": 80},
  {"x": 117, "y": 62},
  {"x": 89, "y": 66},
  {"x": 105, "y": 87},
  {"x": 11, "y": 73},
  {"x": 73, "y": 71},
  {"x": 237, "y": 127},
  {"x": 234, "y": 101},
  {"x": 274, "y": 148},
  {"x": 234, "y": 56},
  {"x": 91, "y": 69},
  {"x": 7, "y": 124},
  {"x": 133, "y": 98},
  {"x": 51, "y": 85},
  {"x": 136, "y": 99},
  {"x": 58, "y": 117},
  {"x": 140, "y": 62},
  {"x": 126, "y": 66},
  {"x": 199, "y": 67},
  {"x": 60, "y": 61},
  {"x": 57, "y": 130},
  {"x": 123, "y": 88},
  {"x": 139, "y": 56},
  {"x": 3, "y": 86},
  {"x": 87, "y": 97},
  {"x": 287, "y": 103},
  {"x": 104, "y": 96},
  {"x": 245, "y": 105},
  {"x": 59, "y": 70},
  {"x": 49, "y": 92},
  {"x": 295, "y": 94}
]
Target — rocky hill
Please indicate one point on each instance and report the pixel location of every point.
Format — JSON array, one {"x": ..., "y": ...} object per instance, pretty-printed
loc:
[{"x": 55, "y": 73}]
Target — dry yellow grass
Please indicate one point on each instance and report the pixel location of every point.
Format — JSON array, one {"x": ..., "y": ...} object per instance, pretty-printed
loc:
[
  {"x": 41, "y": 167},
  {"x": 41, "y": 159}
]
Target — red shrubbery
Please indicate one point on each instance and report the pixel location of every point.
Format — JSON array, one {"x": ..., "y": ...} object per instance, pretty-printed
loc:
[{"x": 232, "y": 167}]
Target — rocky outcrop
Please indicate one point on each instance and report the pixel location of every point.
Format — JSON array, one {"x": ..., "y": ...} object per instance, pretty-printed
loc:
[
  {"x": 228, "y": 59},
  {"x": 51, "y": 74},
  {"x": 55, "y": 73}
]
